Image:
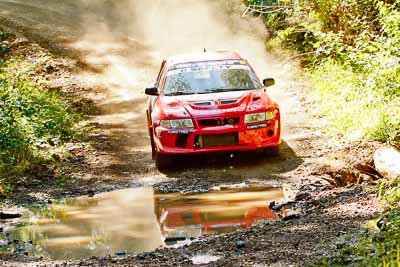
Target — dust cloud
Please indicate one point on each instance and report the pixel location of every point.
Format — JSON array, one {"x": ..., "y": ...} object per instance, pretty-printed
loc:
[{"x": 129, "y": 38}]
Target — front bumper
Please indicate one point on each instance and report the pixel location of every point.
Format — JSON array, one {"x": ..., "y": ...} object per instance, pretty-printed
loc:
[{"x": 218, "y": 138}]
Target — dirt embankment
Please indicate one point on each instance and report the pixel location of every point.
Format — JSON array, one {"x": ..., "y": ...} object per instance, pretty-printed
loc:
[{"x": 112, "y": 52}]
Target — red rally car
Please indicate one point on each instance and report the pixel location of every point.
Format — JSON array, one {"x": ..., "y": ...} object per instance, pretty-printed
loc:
[{"x": 209, "y": 102}]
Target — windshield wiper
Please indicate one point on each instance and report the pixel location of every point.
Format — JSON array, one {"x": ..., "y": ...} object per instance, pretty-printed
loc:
[
  {"x": 178, "y": 93},
  {"x": 218, "y": 90}
]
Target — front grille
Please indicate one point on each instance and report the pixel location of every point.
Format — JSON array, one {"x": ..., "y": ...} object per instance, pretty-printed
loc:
[
  {"x": 218, "y": 122},
  {"x": 215, "y": 140}
]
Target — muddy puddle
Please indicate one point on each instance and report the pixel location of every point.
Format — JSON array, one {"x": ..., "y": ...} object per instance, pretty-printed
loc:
[{"x": 136, "y": 220}]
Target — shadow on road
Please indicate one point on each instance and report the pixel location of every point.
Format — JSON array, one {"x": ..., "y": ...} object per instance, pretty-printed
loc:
[{"x": 243, "y": 164}]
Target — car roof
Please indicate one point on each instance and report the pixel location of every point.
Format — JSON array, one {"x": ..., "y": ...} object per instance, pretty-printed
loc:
[{"x": 203, "y": 56}]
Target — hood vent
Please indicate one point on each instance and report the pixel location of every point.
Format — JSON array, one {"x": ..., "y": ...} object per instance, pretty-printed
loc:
[
  {"x": 202, "y": 104},
  {"x": 226, "y": 102}
]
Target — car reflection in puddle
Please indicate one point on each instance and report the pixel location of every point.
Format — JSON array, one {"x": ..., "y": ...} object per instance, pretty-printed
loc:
[
  {"x": 215, "y": 212},
  {"x": 138, "y": 220}
]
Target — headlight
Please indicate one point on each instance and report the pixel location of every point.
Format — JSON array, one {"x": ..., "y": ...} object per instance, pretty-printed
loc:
[
  {"x": 257, "y": 117},
  {"x": 182, "y": 123},
  {"x": 254, "y": 117},
  {"x": 269, "y": 115}
]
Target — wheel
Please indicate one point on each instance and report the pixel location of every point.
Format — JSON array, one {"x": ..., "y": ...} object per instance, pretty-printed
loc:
[
  {"x": 271, "y": 151},
  {"x": 163, "y": 161}
]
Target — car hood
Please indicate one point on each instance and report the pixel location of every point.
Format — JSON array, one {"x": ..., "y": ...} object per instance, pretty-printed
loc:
[{"x": 215, "y": 104}]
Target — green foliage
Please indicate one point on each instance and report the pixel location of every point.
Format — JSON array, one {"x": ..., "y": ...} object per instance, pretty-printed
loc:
[
  {"x": 33, "y": 123},
  {"x": 351, "y": 51},
  {"x": 3, "y": 49},
  {"x": 391, "y": 193},
  {"x": 350, "y": 17},
  {"x": 362, "y": 104},
  {"x": 362, "y": 82}
]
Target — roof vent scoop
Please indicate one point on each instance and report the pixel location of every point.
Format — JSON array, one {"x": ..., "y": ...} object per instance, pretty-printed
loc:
[{"x": 202, "y": 103}]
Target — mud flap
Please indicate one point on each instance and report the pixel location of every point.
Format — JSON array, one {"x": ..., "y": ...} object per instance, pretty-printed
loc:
[
  {"x": 153, "y": 149},
  {"x": 150, "y": 127}
]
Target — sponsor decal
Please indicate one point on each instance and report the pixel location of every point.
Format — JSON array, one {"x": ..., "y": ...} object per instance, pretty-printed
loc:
[
  {"x": 178, "y": 131},
  {"x": 203, "y": 72},
  {"x": 256, "y": 126},
  {"x": 218, "y": 111},
  {"x": 208, "y": 63}
]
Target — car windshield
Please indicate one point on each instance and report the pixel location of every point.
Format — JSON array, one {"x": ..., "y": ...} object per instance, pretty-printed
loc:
[{"x": 210, "y": 77}]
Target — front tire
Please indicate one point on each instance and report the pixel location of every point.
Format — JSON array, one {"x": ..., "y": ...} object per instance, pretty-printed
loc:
[{"x": 163, "y": 162}]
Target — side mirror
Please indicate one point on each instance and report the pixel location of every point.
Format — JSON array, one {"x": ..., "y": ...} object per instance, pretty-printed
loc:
[
  {"x": 268, "y": 82},
  {"x": 151, "y": 91}
]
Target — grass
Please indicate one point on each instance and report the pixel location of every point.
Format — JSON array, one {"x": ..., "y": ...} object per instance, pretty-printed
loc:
[{"x": 357, "y": 105}]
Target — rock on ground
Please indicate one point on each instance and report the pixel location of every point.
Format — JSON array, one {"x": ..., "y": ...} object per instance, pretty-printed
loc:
[{"x": 387, "y": 162}]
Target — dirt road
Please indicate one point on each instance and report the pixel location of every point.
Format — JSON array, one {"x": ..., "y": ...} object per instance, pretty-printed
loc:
[
  {"x": 118, "y": 46},
  {"x": 126, "y": 64}
]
